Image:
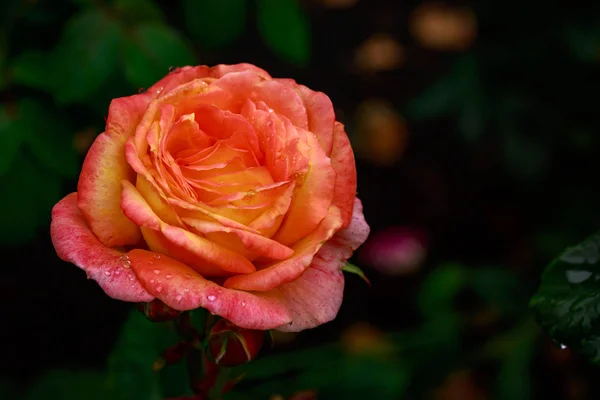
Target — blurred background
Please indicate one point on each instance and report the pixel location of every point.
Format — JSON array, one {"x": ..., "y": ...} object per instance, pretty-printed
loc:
[{"x": 475, "y": 127}]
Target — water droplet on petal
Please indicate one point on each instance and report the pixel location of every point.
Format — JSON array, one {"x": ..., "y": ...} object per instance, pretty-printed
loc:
[
  {"x": 152, "y": 281},
  {"x": 118, "y": 272},
  {"x": 173, "y": 68},
  {"x": 563, "y": 346},
  {"x": 156, "y": 272},
  {"x": 243, "y": 304},
  {"x": 157, "y": 256},
  {"x": 186, "y": 290},
  {"x": 131, "y": 277},
  {"x": 178, "y": 298},
  {"x": 211, "y": 298},
  {"x": 107, "y": 273},
  {"x": 126, "y": 261},
  {"x": 168, "y": 276},
  {"x": 159, "y": 289}
]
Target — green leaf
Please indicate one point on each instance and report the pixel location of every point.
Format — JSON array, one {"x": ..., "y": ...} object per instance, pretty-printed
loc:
[
  {"x": 326, "y": 369},
  {"x": 500, "y": 288},
  {"x": 130, "y": 363},
  {"x": 150, "y": 50},
  {"x": 50, "y": 139},
  {"x": 567, "y": 303},
  {"x": 69, "y": 385},
  {"x": 135, "y": 11},
  {"x": 216, "y": 24},
  {"x": 285, "y": 28},
  {"x": 440, "y": 288},
  {"x": 12, "y": 125},
  {"x": 514, "y": 377},
  {"x": 353, "y": 269},
  {"x": 28, "y": 194},
  {"x": 85, "y": 57},
  {"x": 30, "y": 69},
  {"x": 459, "y": 93}
]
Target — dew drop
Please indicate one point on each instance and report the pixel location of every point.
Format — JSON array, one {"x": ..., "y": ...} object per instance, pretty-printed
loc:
[
  {"x": 131, "y": 277},
  {"x": 168, "y": 276},
  {"x": 563, "y": 346},
  {"x": 160, "y": 89},
  {"x": 211, "y": 298},
  {"x": 126, "y": 261},
  {"x": 156, "y": 272},
  {"x": 118, "y": 272},
  {"x": 270, "y": 110},
  {"x": 159, "y": 289},
  {"x": 186, "y": 290},
  {"x": 173, "y": 68},
  {"x": 157, "y": 256},
  {"x": 152, "y": 281},
  {"x": 178, "y": 298},
  {"x": 243, "y": 304},
  {"x": 107, "y": 273}
]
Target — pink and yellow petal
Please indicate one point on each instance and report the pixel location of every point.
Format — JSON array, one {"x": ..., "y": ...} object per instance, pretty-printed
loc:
[
  {"x": 99, "y": 191},
  {"x": 292, "y": 268},
  {"x": 259, "y": 245},
  {"x": 137, "y": 209},
  {"x": 74, "y": 242},
  {"x": 313, "y": 197},
  {"x": 181, "y": 288}
]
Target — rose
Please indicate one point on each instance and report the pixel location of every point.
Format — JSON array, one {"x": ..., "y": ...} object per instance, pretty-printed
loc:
[{"x": 220, "y": 188}]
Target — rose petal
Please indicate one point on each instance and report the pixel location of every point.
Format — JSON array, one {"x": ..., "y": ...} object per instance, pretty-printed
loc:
[
  {"x": 177, "y": 77},
  {"x": 315, "y": 298},
  {"x": 283, "y": 100},
  {"x": 270, "y": 220},
  {"x": 319, "y": 110},
  {"x": 99, "y": 191},
  {"x": 291, "y": 269},
  {"x": 181, "y": 288},
  {"x": 314, "y": 193},
  {"x": 260, "y": 245},
  {"x": 342, "y": 160},
  {"x": 223, "y": 69},
  {"x": 74, "y": 242},
  {"x": 207, "y": 253}
]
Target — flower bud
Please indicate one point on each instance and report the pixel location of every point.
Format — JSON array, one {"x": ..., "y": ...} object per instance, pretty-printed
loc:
[
  {"x": 157, "y": 311},
  {"x": 230, "y": 345}
]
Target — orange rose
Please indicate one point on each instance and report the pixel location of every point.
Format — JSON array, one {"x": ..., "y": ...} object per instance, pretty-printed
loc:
[{"x": 220, "y": 188}]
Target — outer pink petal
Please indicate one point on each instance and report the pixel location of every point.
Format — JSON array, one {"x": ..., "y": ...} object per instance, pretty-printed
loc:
[
  {"x": 315, "y": 298},
  {"x": 178, "y": 286},
  {"x": 291, "y": 269},
  {"x": 342, "y": 160},
  {"x": 99, "y": 187},
  {"x": 74, "y": 242}
]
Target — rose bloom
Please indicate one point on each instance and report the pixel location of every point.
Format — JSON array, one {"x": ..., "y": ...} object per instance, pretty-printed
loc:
[{"x": 220, "y": 188}]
